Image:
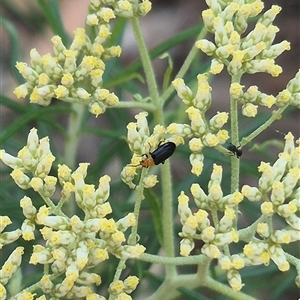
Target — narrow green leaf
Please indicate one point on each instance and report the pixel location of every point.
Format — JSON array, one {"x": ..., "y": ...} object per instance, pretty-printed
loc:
[
  {"x": 12, "y": 104},
  {"x": 14, "y": 48},
  {"x": 32, "y": 115},
  {"x": 164, "y": 47},
  {"x": 156, "y": 212},
  {"x": 167, "y": 76},
  {"x": 51, "y": 11}
]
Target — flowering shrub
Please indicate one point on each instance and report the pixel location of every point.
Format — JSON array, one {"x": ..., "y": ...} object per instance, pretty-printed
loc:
[{"x": 76, "y": 228}]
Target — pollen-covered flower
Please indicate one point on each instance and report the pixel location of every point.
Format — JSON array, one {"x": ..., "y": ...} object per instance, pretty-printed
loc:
[
  {"x": 211, "y": 251},
  {"x": 183, "y": 130},
  {"x": 249, "y": 110},
  {"x": 128, "y": 174},
  {"x": 10, "y": 266},
  {"x": 149, "y": 181},
  {"x": 234, "y": 279},
  {"x": 183, "y": 91},
  {"x": 278, "y": 256},
  {"x": 252, "y": 193},
  {"x": 120, "y": 289},
  {"x": 196, "y": 160},
  {"x": 183, "y": 208},
  {"x": 226, "y": 222},
  {"x": 186, "y": 246},
  {"x": 202, "y": 99}
]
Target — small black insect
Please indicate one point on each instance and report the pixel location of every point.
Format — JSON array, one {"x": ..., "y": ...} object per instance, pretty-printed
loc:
[
  {"x": 159, "y": 155},
  {"x": 237, "y": 151}
]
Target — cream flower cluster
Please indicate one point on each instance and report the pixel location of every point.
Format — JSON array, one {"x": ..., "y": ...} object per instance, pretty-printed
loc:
[
  {"x": 216, "y": 235},
  {"x": 12, "y": 263},
  {"x": 75, "y": 73},
  {"x": 72, "y": 245},
  {"x": 249, "y": 54},
  {"x": 64, "y": 75},
  {"x": 142, "y": 143},
  {"x": 119, "y": 289},
  {"x": 278, "y": 191},
  {"x": 252, "y": 97},
  {"x": 122, "y": 8},
  {"x": 200, "y": 132}
]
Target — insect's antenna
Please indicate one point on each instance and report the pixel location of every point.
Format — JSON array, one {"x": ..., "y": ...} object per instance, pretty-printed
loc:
[{"x": 278, "y": 131}]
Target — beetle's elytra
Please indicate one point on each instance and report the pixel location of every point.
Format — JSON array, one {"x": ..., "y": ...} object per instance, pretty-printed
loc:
[{"x": 159, "y": 156}]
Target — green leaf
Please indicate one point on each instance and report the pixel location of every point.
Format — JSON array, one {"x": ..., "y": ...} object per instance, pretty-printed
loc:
[
  {"x": 167, "y": 76},
  {"x": 156, "y": 212},
  {"x": 12, "y": 104},
  {"x": 51, "y": 11},
  {"x": 13, "y": 48},
  {"x": 29, "y": 116},
  {"x": 163, "y": 47}
]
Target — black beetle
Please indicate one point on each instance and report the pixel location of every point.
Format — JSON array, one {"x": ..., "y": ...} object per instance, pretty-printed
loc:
[
  {"x": 159, "y": 155},
  {"x": 237, "y": 151}
]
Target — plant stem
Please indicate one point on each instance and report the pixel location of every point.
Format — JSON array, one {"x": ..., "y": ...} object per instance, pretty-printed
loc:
[
  {"x": 72, "y": 140},
  {"x": 225, "y": 290},
  {"x": 121, "y": 266},
  {"x": 149, "y": 73},
  {"x": 180, "y": 260},
  {"x": 275, "y": 116},
  {"x": 71, "y": 144},
  {"x": 137, "y": 206},
  {"x": 168, "y": 218},
  {"x": 235, "y": 162},
  {"x": 132, "y": 240},
  {"x": 133, "y": 104},
  {"x": 166, "y": 182}
]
